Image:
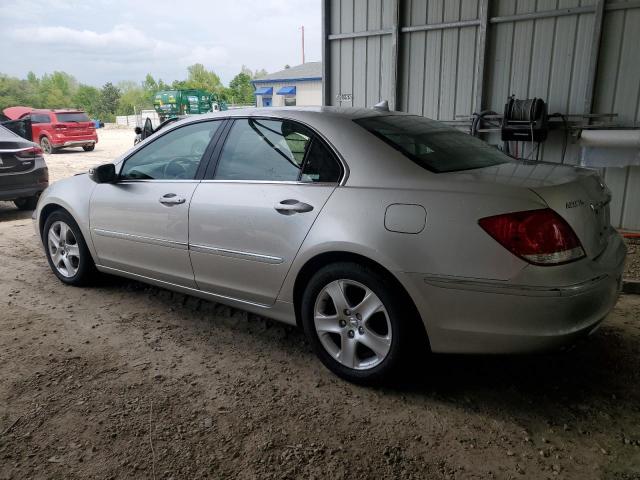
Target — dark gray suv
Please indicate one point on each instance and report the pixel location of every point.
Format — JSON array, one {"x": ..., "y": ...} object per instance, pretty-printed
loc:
[{"x": 23, "y": 171}]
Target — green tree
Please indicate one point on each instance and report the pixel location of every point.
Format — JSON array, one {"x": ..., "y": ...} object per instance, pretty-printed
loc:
[
  {"x": 87, "y": 98},
  {"x": 241, "y": 90},
  {"x": 199, "y": 77},
  {"x": 56, "y": 90},
  {"x": 133, "y": 98},
  {"x": 109, "y": 98}
]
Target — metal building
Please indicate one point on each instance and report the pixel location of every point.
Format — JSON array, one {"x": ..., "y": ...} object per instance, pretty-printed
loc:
[
  {"x": 446, "y": 59},
  {"x": 300, "y": 85}
]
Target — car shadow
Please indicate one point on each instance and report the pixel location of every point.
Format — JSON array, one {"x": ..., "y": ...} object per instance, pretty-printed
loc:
[
  {"x": 9, "y": 212},
  {"x": 592, "y": 375},
  {"x": 588, "y": 382}
]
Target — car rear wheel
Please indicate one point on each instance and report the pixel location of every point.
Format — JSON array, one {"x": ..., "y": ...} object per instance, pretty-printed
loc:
[
  {"x": 28, "y": 203},
  {"x": 356, "y": 322},
  {"x": 46, "y": 146},
  {"x": 88, "y": 148},
  {"x": 66, "y": 250}
]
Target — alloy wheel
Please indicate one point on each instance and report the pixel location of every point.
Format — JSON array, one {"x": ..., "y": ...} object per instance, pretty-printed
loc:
[
  {"x": 45, "y": 144},
  {"x": 63, "y": 249},
  {"x": 352, "y": 324}
]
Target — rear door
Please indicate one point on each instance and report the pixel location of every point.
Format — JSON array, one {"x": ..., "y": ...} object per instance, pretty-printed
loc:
[
  {"x": 140, "y": 224},
  {"x": 248, "y": 219}
]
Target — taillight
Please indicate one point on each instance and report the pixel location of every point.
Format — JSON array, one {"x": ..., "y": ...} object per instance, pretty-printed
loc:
[
  {"x": 29, "y": 152},
  {"x": 541, "y": 237}
]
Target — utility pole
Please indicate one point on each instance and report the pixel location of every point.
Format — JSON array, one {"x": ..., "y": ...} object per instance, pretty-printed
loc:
[{"x": 302, "y": 43}]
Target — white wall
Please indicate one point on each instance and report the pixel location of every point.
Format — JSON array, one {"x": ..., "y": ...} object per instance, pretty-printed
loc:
[{"x": 308, "y": 93}]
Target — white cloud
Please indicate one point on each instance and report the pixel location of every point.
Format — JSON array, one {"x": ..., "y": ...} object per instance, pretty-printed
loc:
[
  {"x": 123, "y": 41},
  {"x": 113, "y": 40}
]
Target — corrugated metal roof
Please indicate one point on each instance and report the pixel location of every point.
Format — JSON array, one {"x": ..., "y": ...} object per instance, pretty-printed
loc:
[{"x": 306, "y": 71}]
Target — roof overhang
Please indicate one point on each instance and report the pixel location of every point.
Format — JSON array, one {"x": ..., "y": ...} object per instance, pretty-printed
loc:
[
  {"x": 264, "y": 91},
  {"x": 290, "y": 90}
]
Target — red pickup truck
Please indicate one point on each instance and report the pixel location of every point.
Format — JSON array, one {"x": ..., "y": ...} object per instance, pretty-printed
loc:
[{"x": 54, "y": 129}]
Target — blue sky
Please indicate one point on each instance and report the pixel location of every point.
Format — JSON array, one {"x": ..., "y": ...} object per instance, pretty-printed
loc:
[{"x": 99, "y": 40}]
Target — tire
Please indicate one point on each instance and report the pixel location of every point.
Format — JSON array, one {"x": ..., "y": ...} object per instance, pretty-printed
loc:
[
  {"x": 46, "y": 146},
  {"x": 88, "y": 148},
  {"x": 27, "y": 203},
  {"x": 80, "y": 269},
  {"x": 389, "y": 330}
]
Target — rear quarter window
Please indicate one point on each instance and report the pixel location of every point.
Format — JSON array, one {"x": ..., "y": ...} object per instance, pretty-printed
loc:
[{"x": 431, "y": 144}]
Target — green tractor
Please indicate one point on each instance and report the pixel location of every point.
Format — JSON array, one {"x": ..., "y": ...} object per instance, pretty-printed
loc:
[{"x": 177, "y": 103}]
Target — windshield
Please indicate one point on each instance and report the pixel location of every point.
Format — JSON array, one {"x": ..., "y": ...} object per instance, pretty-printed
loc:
[
  {"x": 431, "y": 144},
  {"x": 72, "y": 117}
]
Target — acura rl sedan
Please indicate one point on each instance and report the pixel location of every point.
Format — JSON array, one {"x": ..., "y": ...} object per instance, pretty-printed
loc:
[{"x": 378, "y": 233}]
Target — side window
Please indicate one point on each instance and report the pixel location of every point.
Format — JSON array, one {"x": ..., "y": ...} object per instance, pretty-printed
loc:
[
  {"x": 258, "y": 149},
  {"x": 320, "y": 166},
  {"x": 173, "y": 156}
]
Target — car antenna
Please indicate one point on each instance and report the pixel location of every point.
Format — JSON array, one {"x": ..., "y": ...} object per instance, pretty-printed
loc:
[{"x": 383, "y": 106}]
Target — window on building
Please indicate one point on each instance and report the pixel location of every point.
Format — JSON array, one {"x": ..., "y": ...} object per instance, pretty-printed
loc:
[{"x": 289, "y": 101}]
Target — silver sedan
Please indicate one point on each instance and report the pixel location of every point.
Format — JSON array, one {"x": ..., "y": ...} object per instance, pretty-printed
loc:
[{"x": 381, "y": 234}]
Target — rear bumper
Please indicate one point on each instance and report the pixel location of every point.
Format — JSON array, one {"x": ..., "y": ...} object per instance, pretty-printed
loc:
[
  {"x": 22, "y": 192},
  {"x": 76, "y": 143},
  {"x": 24, "y": 185},
  {"x": 472, "y": 316}
]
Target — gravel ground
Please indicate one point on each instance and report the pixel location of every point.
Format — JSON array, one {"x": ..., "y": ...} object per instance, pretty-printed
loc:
[{"x": 123, "y": 380}]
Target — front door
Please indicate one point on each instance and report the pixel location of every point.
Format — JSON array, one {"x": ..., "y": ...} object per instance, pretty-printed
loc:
[
  {"x": 140, "y": 224},
  {"x": 266, "y": 101},
  {"x": 249, "y": 220}
]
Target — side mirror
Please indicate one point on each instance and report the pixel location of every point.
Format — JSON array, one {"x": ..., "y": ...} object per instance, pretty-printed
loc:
[
  {"x": 138, "y": 130},
  {"x": 103, "y": 173}
]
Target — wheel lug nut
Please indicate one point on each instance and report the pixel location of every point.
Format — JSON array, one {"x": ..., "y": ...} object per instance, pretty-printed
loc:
[
  {"x": 351, "y": 334},
  {"x": 343, "y": 323},
  {"x": 361, "y": 330},
  {"x": 358, "y": 316},
  {"x": 347, "y": 311}
]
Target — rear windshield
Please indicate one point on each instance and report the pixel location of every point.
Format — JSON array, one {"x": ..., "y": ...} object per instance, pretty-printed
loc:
[
  {"x": 431, "y": 144},
  {"x": 72, "y": 117}
]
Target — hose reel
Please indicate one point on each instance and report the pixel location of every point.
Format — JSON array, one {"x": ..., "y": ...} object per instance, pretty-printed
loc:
[{"x": 525, "y": 120}]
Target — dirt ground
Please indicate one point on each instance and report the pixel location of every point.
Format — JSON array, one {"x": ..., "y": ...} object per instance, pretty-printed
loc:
[{"x": 124, "y": 380}]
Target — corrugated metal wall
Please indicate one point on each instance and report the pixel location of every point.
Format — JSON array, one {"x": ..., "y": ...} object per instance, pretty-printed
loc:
[{"x": 448, "y": 58}]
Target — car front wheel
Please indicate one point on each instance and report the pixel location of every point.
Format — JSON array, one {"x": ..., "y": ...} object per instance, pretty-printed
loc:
[
  {"x": 356, "y": 322},
  {"x": 88, "y": 148},
  {"x": 66, "y": 250}
]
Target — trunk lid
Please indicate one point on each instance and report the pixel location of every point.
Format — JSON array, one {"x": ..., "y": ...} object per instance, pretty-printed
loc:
[
  {"x": 578, "y": 195},
  {"x": 584, "y": 204},
  {"x": 74, "y": 124}
]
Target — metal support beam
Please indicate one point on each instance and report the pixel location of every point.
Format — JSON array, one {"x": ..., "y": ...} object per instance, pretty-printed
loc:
[
  {"x": 370, "y": 33},
  {"x": 482, "y": 55},
  {"x": 326, "y": 52},
  {"x": 622, "y": 5},
  {"x": 544, "y": 14},
  {"x": 440, "y": 26},
  {"x": 395, "y": 55},
  {"x": 594, "y": 56}
]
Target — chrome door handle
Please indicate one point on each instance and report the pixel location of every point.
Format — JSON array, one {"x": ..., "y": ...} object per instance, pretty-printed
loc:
[
  {"x": 171, "y": 199},
  {"x": 291, "y": 206}
]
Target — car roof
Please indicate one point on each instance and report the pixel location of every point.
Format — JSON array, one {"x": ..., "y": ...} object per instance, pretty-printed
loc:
[
  {"x": 348, "y": 113},
  {"x": 57, "y": 110}
]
